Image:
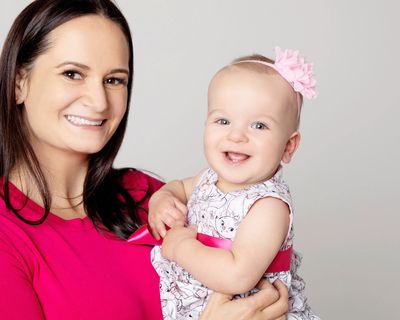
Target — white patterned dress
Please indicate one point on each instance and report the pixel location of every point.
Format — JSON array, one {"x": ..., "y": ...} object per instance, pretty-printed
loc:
[{"x": 219, "y": 214}]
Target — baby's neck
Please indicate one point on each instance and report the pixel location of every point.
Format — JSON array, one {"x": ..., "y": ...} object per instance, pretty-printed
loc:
[{"x": 229, "y": 186}]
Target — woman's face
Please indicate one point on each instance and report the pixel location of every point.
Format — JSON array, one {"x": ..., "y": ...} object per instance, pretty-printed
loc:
[{"x": 75, "y": 93}]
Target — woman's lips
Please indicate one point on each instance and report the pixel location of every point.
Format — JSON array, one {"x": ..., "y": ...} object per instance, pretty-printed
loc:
[{"x": 82, "y": 121}]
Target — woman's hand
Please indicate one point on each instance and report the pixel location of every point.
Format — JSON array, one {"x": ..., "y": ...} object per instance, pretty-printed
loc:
[{"x": 270, "y": 303}]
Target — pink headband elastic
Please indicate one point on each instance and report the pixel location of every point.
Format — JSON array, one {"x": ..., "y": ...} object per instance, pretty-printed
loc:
[{"x": 295, "y": 70}]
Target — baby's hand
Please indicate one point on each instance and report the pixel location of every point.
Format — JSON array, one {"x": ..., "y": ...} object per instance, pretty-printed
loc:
[
  {"x": 165, "y": 210},
  {"x": 174, "y": 238}
]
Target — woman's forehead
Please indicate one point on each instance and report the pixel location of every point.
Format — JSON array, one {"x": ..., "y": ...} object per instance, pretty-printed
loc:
[{"x": 88, "y": 39}]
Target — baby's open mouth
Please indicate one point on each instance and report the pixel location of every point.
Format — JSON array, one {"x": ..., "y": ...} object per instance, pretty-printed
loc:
[{"x": 236, "y": 157}]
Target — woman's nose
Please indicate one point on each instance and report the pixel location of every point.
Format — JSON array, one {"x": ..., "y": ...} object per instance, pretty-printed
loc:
[{"x": 96, "y": 96}]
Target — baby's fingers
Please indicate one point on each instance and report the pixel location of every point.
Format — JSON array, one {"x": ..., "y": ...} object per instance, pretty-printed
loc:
[
  {"x": 181, "y": 207},
  {"x": 159, "y": 230},
  {"x": 160, "y": 226},
  {"x": 174, "y": 218},
  {"x": 154, "y": 230}
]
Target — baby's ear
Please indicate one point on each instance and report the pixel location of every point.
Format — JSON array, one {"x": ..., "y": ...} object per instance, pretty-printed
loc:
[
  {"x": 291, "y": 147},
  {"x": 21, "y": 86}
]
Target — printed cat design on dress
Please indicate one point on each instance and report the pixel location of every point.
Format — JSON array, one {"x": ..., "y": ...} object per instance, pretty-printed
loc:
[
  {"x": 217, "y": 214},
  {"x": 225, "y": 226}
]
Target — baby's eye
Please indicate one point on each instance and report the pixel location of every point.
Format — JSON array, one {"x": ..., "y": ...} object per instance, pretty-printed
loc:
[
  {"x": 223, "y": 122},
  {"x": 115, "y": 81},
  {"x": 73, "y": 75},
  {"x": 259, "y": 126}
]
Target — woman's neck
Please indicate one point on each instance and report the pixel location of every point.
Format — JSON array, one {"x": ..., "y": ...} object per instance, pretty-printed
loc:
[{"x": 65, "y": 177}]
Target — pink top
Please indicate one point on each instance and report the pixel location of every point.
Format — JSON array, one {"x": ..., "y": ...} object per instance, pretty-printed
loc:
[{"x": 66, "y": 269}]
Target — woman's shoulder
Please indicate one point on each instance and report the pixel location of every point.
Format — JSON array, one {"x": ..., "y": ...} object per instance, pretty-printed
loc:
[
  {"x": 16, "y": 248},
  {"x": 134, "y": 178},
  {"x": 140, "y": 183}
]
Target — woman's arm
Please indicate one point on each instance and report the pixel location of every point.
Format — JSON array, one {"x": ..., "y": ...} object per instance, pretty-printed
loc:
[
  {"x": 18, "y": 299},
  {"x": 270, "y": 303},
  {"x": 258, "y": 239}
]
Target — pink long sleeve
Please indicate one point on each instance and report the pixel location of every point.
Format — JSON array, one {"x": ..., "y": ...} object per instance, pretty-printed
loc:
[{"x": 66, "y": 269}]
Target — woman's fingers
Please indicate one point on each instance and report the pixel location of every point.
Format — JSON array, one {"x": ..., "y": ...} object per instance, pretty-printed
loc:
[
  {"x": 219, "y": 307},
  {"x": 219, "y": 298},
  {"x": 270, "y": 303},
  {"x": 266, "y": 296},
  {"x": 280, "y": 307},
  {"x": 282, "y": 289}
]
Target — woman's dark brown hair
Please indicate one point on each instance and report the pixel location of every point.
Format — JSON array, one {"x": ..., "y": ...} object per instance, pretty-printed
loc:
[{"x": 105, "y": 201}]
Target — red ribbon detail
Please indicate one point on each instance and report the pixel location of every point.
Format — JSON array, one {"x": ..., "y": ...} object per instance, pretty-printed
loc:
[{"x": 142, "y": 236}]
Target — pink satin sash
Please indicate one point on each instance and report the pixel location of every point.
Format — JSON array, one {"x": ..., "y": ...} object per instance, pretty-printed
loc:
[{"x": 142, "y": 236}]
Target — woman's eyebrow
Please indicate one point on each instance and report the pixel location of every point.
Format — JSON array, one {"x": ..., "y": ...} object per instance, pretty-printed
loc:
[
  {"x": 84, "y": 66},
  {"x": 120, "y": 70},
  {"x": 77, "y": 64}
]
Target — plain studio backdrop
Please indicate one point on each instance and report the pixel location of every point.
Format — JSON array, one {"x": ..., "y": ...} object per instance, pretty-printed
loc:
[{"x": 344, "y": 178}]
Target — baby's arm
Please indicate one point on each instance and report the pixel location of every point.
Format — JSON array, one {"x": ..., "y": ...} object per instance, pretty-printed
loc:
[
  {"x": 167, "y": 206},
  {"x": 258, "y": 239}
]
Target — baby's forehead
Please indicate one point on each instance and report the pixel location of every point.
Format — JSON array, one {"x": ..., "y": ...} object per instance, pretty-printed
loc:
[
  {"x": 257, "y": 72},
  {"x": 254, "y": 75},
  {"x": 268, "y": 84},
  {"x": 247, "y": 67}
]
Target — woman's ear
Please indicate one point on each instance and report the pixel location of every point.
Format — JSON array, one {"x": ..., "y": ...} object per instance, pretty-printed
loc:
[
  {"x": 21, "y": 86},
  {"x": 291, "y": 147}
]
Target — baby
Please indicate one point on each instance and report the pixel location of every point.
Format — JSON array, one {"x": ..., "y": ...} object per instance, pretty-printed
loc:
[{"x": 252, "y": 125}]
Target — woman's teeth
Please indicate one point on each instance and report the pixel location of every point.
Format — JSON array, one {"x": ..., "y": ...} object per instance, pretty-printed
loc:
[{"x": 84, "y": 122}]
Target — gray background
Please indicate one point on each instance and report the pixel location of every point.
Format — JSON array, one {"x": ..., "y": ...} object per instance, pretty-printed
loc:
[{"x": 344, "y": 178}]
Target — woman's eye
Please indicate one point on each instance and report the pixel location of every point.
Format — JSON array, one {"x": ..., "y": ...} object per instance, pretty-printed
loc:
[
  {"x": 259, "y": 126},
  {"x": 224, "y": 122},
  {"x": 72, "y": 74},
  {"x": 115, "y": 81}
]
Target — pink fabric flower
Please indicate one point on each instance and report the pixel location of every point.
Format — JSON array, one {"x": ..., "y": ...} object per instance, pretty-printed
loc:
[{"x": 296, "y": 71}]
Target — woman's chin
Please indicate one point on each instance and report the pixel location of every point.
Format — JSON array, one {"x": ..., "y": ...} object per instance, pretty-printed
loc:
[{"x": 88, "y": 149}]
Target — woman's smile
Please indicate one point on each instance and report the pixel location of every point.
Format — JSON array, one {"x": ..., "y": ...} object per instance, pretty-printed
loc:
[{"x": 85, "y": 122}]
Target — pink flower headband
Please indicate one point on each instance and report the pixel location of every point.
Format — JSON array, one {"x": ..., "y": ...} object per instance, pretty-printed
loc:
[{"x": 293, "y": 69}]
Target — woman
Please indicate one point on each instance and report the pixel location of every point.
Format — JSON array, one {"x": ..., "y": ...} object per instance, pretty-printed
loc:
[{"x": 65, "y": 84}]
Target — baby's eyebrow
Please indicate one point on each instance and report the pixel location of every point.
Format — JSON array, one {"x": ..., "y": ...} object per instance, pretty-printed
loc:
[
  {"x": 268, "y": 118},
  {"x": 210, "y": 113}
]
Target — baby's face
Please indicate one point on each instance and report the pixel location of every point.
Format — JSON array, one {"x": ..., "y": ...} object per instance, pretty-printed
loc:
[{"x": 251, "y": 118}]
